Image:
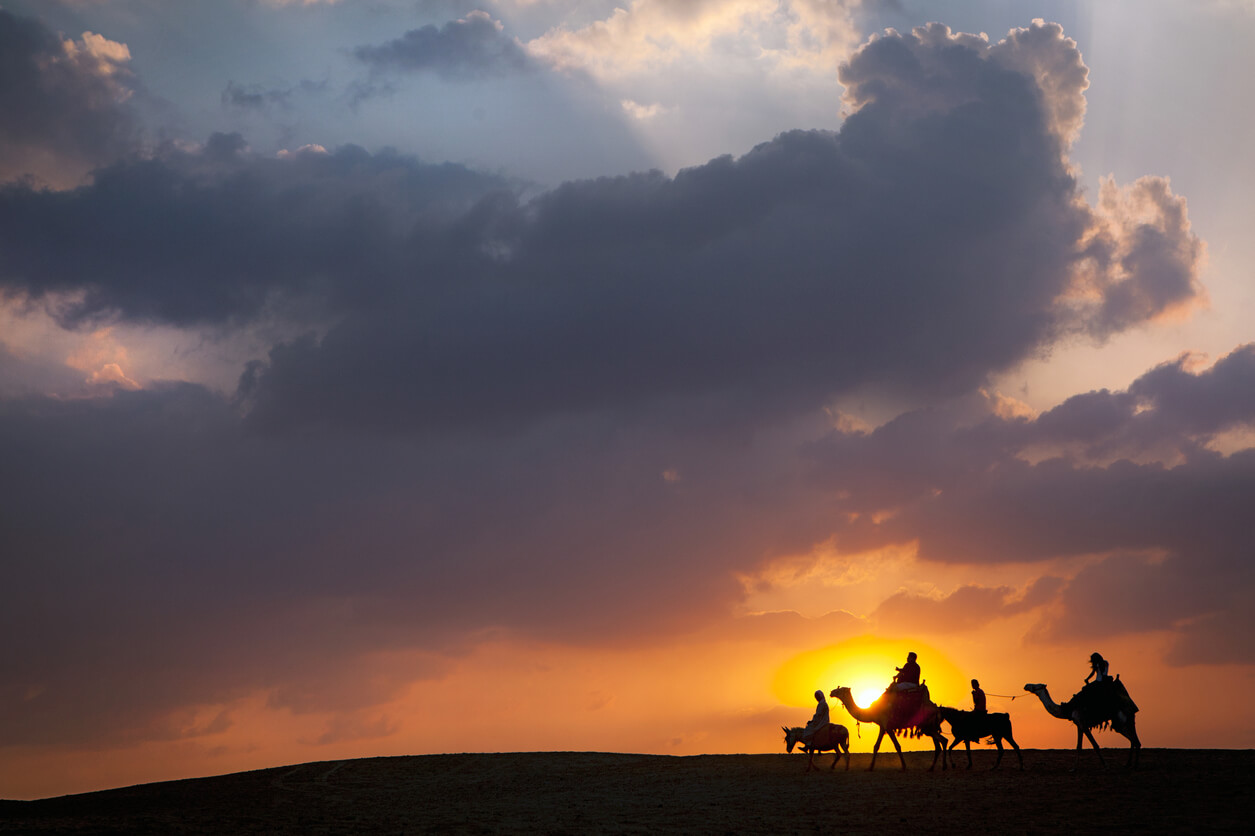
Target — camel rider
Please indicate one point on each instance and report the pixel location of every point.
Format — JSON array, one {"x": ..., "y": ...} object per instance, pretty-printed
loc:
[
  {"x": 978, "y": 698},
  {"x": 819, "y": 720},
  {"x": 907, "y": 676},
  {"x": 1098, "y": 667}
]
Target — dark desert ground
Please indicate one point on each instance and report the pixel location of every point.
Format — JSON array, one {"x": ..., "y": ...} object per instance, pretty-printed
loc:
[{"x": 1173, "y": 791}]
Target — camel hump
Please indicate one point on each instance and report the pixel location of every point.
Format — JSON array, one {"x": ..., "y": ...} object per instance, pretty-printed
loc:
[
  {"x": 910, "y": 708},
  {"x": 1100, "y": 701}
]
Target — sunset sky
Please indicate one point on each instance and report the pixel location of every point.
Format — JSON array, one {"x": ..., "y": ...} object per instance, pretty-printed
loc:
[{"x": 387, "y": 377}]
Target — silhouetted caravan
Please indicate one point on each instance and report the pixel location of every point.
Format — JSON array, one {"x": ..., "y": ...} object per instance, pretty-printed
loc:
[
  {"x": 1096, "y": 706},
  {"x": 894, "y": 711},
  {"x": 969, "y": 727},
  {"x": 832, "y": 736}
]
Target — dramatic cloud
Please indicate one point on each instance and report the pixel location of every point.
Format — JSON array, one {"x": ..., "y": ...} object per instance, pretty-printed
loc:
[
  {"x": 1171, "y": 540},
  {"x": 933, "y": 241},
  {"x": 235, "y": 229},
  {"x": 63, "y": 102},
  {"x": 205, "y": 564},
  {"x": 468, "y": 49}
]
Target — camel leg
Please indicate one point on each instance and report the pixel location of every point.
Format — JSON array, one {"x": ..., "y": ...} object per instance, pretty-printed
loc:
[
  {"x": 1135, "y": 748},
  {"x": 893, "y": 738},
  {"x": 876, "y": 750},
  {"x": 1081, "y": 734},
  {"x": 846, "y": 747},
  {"x": 1097, "y": 748}
]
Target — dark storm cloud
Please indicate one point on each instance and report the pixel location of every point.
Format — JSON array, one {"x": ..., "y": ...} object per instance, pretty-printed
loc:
[
  {"x": 158, "y": 556},
  {"x": 155, "y": 559},
  {"x": 233, "y": 229},
  {"x": 468, "y": 49},
  {"x": 1172, "y": 541},
  {"x": 1211, "y": 401},
  {"x": 63, "y": 105},
  {"x": 748, "y": 273},
  {"x": 931, "y": 242}
]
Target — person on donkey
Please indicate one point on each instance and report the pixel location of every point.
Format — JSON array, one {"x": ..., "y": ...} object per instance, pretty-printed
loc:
[{"x": 819, "y": 720}]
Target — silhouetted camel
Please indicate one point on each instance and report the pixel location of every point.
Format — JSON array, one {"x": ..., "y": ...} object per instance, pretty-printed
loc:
[
  {"x": 832, "y": 736},
  {"x": 923, "y": 721},
  {"x": 1089, "y": 711},
  {"x": 969, "y": 727}
]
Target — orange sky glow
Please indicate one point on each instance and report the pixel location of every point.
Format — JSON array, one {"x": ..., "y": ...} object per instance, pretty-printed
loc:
[
  {"x": 399, "y": 378},
  {"x": 688, "y": 698}
]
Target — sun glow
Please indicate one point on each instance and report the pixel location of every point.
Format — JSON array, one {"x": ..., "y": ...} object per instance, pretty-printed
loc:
[
  {"x": 865, "y": 695},
  {"x": 866, "y": 666}
]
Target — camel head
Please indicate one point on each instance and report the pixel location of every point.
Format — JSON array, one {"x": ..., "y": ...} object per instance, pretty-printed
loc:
[
  {"x": 841, "y": 692},
  {"x": 1062, "y": 712}
]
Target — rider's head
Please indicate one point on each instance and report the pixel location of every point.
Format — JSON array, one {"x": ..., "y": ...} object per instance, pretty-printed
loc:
[
  {"x": 910, "y": 657},
  {"x": 975, "y": 684},
  {"x": 819, "y": 695}
]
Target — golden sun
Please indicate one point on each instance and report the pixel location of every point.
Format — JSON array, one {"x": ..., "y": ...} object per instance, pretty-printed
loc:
[{"x": 866, "y": 666}]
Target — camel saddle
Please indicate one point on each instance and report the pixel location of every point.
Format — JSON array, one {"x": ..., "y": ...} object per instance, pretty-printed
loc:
[
  {"x": 909, "y": 707},
  {"x": 1104, "y": 699}
]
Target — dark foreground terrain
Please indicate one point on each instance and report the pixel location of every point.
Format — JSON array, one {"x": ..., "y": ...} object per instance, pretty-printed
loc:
[{"x": 1174, "y": 791}]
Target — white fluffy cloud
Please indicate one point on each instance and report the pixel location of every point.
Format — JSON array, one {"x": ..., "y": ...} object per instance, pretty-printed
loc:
[{"x": 650, "y": 36}]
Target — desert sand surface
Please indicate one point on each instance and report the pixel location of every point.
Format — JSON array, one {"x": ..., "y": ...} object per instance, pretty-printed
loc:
[{"x": 1173, "y": 791}]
